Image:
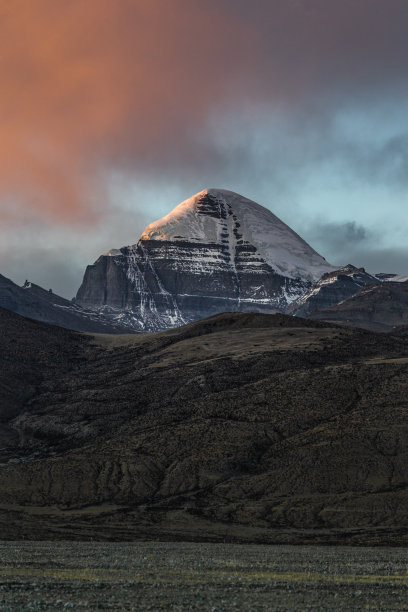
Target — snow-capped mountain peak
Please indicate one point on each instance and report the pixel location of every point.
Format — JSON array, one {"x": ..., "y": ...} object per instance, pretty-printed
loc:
[
  {"x": 216, "y": 251},
  {"x": 209, "y": 215}
]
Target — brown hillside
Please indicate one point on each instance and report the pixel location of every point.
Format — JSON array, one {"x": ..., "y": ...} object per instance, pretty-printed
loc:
[{"x": 246, "y": 427}]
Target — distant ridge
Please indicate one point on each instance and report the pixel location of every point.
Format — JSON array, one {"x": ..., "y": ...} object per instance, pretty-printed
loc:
[
  {"x": 332, "y": 288},
  {"x": 34, "y": 302}
]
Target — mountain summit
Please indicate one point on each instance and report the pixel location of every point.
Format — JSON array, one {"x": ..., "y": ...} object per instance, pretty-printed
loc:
[
  {"x": 221, "y": 216},
  {"x": 216, "y": 251}
]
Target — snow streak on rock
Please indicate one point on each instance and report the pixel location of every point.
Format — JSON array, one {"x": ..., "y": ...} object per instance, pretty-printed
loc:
[
  {"x": 215, "y": 252},
  {"x": 331, "y": 289}
]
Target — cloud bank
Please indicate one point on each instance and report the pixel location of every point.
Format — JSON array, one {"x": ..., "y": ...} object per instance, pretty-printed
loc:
[{"x": 269, "y": 97}]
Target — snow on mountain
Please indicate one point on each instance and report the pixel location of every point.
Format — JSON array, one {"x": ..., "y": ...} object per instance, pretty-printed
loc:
[
  {"x": 331, "y": 289},
  {"x": 279, "y": 246},
  {"x": 217, "y": 251}
]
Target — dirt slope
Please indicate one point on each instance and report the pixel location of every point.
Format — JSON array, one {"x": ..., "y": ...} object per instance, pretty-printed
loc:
[{"x": 245, "y": 427}]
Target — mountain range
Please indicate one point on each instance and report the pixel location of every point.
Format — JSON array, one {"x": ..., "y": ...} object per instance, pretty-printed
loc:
[
  {"x": 215, "y": 252},
  {"x": 173, "y": 419}
]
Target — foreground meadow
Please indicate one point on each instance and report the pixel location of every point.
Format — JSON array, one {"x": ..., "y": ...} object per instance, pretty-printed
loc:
[{"x": 200, "y": 576}]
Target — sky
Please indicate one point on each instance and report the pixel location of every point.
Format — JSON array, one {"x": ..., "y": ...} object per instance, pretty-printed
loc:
[{"x": 114, "y": 111}]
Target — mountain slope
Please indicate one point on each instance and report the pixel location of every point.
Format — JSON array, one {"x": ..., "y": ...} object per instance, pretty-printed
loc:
[
  {"x": 380, "y": 307},
  {"x": 36, "y": 303},
  {"x": 215, "y": 252},
  {"x": 331, "y": 289},
  {"x": 248, "y": 427}
]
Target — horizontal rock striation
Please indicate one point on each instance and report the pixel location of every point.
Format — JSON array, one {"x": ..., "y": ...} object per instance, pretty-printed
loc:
[{"x": 215, "y": 252}]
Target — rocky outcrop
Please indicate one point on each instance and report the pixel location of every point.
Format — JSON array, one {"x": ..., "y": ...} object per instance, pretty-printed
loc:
[
  {"x": 215, "y": 252},
  {"x": 331, "y": 289}
]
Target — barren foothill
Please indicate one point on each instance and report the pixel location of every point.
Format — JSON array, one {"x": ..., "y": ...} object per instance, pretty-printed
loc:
[{"x": 245, "y": 428}]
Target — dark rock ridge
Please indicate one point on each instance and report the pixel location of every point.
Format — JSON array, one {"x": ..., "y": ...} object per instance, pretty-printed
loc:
[
  {"x": 35, "y": 302},
  {"x": 380, "y": 307},
  {"x": 332, "y": 288},
  {"x": 240, "y": 427},
  {"x": 215, "y": 252}
]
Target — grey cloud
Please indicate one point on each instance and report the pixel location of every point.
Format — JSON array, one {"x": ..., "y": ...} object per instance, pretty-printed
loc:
[
  {"x": 341, "y": 243},
  {"x": 249, "y": 104},
  {"x": 341, "y": 235},
  {"x": 48, "y": 269},
  {"x": 350, "y": 242},
  {"x": 387, "y": 163},
  {"x": 384, "y": 260}
]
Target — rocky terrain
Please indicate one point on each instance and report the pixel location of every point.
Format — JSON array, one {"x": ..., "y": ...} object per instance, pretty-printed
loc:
[
  {"x": 215, "y": 252},
  {"x": 382, "y": 307},
  {"x": 33, "y": 301},
  {"x": 331, "y": 289},
  {"x": 245, "y": 427}
]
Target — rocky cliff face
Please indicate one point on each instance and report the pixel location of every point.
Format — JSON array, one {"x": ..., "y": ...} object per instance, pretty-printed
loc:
[
  {"x": 215, "y": 252},
  {"x": 331, "y": 289}
]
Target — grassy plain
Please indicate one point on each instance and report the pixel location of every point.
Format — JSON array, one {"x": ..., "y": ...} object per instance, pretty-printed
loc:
[{"x": 192, "y": 576}]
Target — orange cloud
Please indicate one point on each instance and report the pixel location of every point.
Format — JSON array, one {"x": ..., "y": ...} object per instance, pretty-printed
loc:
[
  {"x": 87, "y": 84},
  {"x": 90, "y": 85}
]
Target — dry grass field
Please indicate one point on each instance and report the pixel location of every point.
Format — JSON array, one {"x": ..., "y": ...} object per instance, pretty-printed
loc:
[{"x": 186, "y": 577}]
